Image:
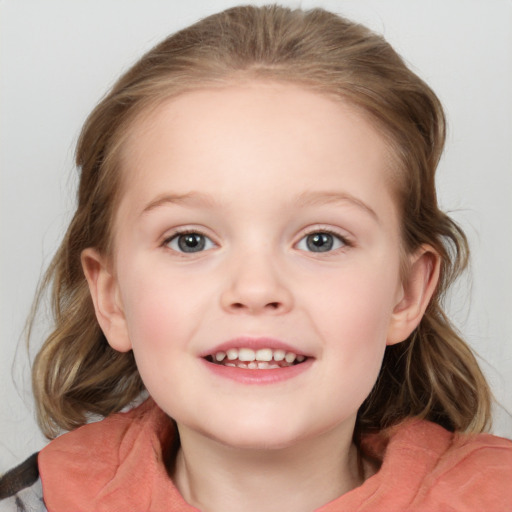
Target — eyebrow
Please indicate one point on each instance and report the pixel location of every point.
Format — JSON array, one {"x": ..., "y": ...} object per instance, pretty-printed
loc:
[
  {"x": 321, "y": 198},
  {"x": 192, "y": 198},
  {"x": 305, "y": 199}
]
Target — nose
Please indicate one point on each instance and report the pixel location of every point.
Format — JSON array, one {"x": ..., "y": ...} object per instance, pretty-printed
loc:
[{"x": 256, "y": 286}]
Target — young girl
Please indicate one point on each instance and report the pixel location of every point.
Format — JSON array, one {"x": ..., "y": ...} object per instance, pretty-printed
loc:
[{"x": 254, "y": 274}]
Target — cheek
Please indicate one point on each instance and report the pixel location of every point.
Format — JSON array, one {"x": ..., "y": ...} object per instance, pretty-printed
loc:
[
  {"x": 353, "y": 318},
  {"x": 155, "y": 304},
  {"x": 358, "y": 304},
  {"x": 144, "y": 309},
  {"x": 154, "y": 318}
]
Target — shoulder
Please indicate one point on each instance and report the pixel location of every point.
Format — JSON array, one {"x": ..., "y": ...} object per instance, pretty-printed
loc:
[
  {"x": 20, "y": 488},
  {"x": 482, "y": 460},
  {"x": 453, "y": 450},
  {"x": 425, "y": 468},
  {"x": 469, "y": 471}
]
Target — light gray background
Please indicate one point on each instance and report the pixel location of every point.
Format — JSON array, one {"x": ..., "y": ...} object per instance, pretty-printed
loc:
[{"x": 58, "y": 57}]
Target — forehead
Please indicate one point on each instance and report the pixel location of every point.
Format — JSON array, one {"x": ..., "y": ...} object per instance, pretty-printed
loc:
[{"x": 241, "y": 139}]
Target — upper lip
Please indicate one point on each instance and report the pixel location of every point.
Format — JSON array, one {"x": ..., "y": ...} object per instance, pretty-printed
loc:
[{"x": 254, "y": 343}]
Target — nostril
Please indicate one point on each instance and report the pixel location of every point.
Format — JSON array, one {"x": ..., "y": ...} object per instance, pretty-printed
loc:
[{"x": 270, "y": 305}]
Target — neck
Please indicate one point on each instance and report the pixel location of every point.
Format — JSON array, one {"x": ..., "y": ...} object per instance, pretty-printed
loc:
[{"x": 214, "y": 477}]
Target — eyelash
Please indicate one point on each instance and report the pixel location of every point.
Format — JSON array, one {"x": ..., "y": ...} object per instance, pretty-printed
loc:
[
  {"x": 346, "y": 243},
  {"x": 181, "y": 232}
]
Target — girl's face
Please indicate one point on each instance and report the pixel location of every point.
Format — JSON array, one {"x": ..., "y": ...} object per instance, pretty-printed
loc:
[{"x": 256, "y": 222}]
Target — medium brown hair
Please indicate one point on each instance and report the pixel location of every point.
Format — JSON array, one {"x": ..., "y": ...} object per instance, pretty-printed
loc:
[{"x": 432, "y": 375}]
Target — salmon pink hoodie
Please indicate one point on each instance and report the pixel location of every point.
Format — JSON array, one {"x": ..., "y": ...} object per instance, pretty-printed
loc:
[{"x": 117, "y": 465}]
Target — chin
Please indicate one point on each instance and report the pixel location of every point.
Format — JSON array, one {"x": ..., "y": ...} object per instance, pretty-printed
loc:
[
  {"x": 259, "y": 443},
  {"x": 259, "y": 435}
]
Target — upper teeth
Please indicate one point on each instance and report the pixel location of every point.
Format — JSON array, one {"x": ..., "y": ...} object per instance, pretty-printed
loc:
[{"x": 263, "y": 354}]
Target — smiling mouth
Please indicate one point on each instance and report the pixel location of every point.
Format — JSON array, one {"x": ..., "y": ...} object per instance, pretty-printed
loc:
[{"x": 261, "y": 359}]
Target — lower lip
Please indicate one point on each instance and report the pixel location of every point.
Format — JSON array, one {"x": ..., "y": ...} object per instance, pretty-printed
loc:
[{"x": 259, "y": 377}]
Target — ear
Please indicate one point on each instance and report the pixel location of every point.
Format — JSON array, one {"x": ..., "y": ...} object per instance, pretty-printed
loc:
[
  {"x": 417, "y": 290},
  {"x": 106, "y": 299}
]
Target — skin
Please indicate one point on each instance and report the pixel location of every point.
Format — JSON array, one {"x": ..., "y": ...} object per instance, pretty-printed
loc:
[{"x": 256, "y": 168}]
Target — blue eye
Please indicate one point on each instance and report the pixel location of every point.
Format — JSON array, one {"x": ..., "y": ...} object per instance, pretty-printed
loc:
[
  {"x": 321, "y": 241},
  {"x": 189, "y": 242}
]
